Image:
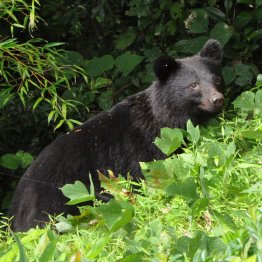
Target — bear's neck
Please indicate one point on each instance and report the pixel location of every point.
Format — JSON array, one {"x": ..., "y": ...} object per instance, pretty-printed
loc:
[
  {"x": 148, "y": 115},
  {"x": 173, "y": 115}
]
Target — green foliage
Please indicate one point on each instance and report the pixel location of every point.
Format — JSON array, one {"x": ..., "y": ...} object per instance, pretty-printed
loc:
[
  {"x": 14, "y": 161},
  {"x": 19, "y": 14},
  {"x": 77, "y": 193},
  {"x": 200, "y": 205}
]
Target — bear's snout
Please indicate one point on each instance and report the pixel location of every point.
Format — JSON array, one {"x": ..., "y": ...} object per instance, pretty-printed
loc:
[{"x": 218, "y": 100}]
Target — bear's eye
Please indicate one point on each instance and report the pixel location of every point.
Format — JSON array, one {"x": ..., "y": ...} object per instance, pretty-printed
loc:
[
  {"x": 194, "y": 85},
  {"x": 217, "y": 80}
]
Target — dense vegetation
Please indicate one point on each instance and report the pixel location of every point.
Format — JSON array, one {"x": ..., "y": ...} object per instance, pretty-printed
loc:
[
  {"x": 66, "y": 60},
  {"x": 201, "y": 205}
]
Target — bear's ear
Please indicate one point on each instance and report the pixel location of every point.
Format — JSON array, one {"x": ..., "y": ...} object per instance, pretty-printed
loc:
[
  {"x": 164, "y": 66},
  {"x": 212, "y": 51}
]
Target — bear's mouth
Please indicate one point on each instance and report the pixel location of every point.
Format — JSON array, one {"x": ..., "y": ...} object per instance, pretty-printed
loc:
[{"x": 211, "y": 108}]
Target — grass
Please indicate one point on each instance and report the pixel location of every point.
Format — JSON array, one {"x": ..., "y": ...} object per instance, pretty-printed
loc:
[{"x": 201, "y": 205}]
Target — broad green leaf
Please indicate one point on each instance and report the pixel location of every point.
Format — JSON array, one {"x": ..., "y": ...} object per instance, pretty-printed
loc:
[
  {"x": 199, "y": 205},
  {"x": 244, "y": 75},
  {"x": 186, "y": 189},
  {"x": 10, "y": 161},
  {"x": 200, "y": 241},
  {"x": 25, "y": 158},
  {"x": 127, "y": 62},
  {"x": 221, "y": 32},
  {"x": 77, "y": 193},
  {"x": 242, "y": 19},
  {"x": 101, "y": 82},
  {"x": 105, "y": 100},
  {"x": 224, "y": 220},
  {"x": 197, "y": 22},
  {"x": 116, "y": 215},
  {"x": 170, "y": 140},
  {"x": 194, "y": 133},
  {"x": 126, "y": 39},
  {"x": 99, "y": 65},
  {"x": 133, "y": 257},
  {"x": 228, "y": 75},
  {"x": 245, "y": 100},
  {"x": 159, "y": 173},
  {"x": 252, "y": 134},
  {"x": 215, "y": 13},
  {"x": 192, "y": 46}
]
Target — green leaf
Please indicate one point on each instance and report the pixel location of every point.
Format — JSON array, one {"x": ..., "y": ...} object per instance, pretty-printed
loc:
[
  {"x": 61, "y": 122},
  {"x": 77, "y": 193},
  {"x": 116, "y": 215},
  {"x": 246, "y": 100},
  {"x": 228, "y": 5},
  {"x": 192, "y": 46},
  {"x": 99, "y": 65},
  {"x": 25, "y": 158},
  {"x": 215, "y": 13},
  {"x": 10, "y": 161},
  {"x": 54, "y": 44},
  {"x": 243, "y": 19},
  {"x": 159, "y": 173},
  {"x": 194, "y": 133},
  {"x": 258, "y": 100},
  {"x": 22, "y": 254},
  {"x": 228, "y": 75},
  {"x": 37, "y": 102},
  {"x": 105, "y": 100},
  {"x": 48, "y": 251},
  {"x": 259, "y": 80},
  {"x": 200, "y": 241},
  {"x": 170, "y": 141},
  {"x": 221, "y": 32},
  {"x": 197, "y": 22},
  {"x": 258, "y": 3},
  {"x": 252, "y": 134},
  {"x": 244, "y": 75},
  {"x": 126, "y": 39},
  {"x": 127, "y": 62},
  {"x": 101, "y": 82},
  {"x": 199, "y": 205},
  {"x": 97, "y": 247},
  {"x": 186, "y": 189},
  {"x": 133, "y": 257},
  {"x": 224, "y": 220},
  {"x": 254, "y": 189},
  {"x": 5, "y": 96}
]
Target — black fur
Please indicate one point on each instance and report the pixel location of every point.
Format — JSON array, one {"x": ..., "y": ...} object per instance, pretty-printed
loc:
[{"x": 120, "y": 138}]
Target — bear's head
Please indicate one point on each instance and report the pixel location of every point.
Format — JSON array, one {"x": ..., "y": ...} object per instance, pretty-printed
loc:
[{"x": 190, "y": 87}]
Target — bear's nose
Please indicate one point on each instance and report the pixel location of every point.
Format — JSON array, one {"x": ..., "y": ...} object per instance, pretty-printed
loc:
[{"x": 218, "y": 100}]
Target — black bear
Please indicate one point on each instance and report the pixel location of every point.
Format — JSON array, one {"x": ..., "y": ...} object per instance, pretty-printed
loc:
[{"x": 117, "y": 140}]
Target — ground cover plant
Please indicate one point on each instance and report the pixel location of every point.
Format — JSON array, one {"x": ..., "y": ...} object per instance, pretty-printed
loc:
[{"x": 201, "y": 205}]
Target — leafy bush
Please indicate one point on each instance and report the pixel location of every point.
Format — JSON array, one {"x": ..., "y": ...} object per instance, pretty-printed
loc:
[
  {"x": 200, "y": 205},
  {"x": 34, "y": 75},
  {"x": 129, "y": 28}
]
